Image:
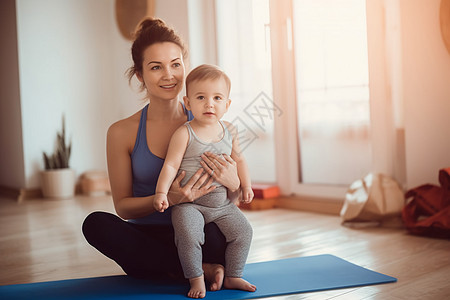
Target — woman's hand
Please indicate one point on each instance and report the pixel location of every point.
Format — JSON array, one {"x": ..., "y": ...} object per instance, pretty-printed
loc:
[
  {"x": 197, "y": 186},
  {"x": 223, "y": 170}
]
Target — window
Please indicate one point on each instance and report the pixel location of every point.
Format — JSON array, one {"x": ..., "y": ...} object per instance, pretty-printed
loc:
[
  {"x": 330, "y": 42},
  {"x": 243, "y": 51}
]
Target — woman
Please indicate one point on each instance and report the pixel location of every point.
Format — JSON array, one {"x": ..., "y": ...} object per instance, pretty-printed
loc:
[{"x": 136, "y": 146}]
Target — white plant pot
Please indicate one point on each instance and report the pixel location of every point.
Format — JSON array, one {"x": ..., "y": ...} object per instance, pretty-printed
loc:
[{"x": 58, "y": 183}]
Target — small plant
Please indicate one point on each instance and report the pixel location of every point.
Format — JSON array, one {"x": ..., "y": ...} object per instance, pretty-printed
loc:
[{"x": 60, "y": 157}]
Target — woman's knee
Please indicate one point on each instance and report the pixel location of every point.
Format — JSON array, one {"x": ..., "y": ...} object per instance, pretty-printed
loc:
[
  {"x": 94, "y": 223},
  {"x": 214, "y": 237}
]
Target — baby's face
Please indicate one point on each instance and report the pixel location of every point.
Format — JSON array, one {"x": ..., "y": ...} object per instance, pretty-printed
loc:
[{"x": 208, "y": 99}]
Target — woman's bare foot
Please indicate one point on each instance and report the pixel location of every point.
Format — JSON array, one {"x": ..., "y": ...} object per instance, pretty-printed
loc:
[
  {"x": 214, "y": 274},
  {"x": 236, "y": 283},
  {"x": 198, "y": 289}
]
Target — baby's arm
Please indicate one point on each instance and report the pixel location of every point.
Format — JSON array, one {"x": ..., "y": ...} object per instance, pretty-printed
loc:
[
  {"x": 242, "y": 168},
  {"x": 175, "y": 152}
]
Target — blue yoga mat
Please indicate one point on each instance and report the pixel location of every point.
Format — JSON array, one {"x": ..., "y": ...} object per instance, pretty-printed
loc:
[{"x": 272, "y": 278}]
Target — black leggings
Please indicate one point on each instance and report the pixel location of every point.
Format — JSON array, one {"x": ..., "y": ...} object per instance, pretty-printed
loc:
[{"x": 146, "y": 251}]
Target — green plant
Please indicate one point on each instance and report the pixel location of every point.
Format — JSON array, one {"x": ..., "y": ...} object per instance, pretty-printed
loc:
[{"x": 60, "y": 157}]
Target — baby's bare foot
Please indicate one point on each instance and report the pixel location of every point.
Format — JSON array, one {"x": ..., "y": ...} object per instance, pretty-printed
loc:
[
  {"x": 198, "y": 289},
  {"x": 214, "y": 274},
  {"x": 236, "y": 283}
]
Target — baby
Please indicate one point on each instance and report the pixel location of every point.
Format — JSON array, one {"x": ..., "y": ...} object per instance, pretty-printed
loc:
[{"x": 207, "y": 97}]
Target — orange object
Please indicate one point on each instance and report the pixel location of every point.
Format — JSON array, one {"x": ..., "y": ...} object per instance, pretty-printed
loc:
[
  {"x": 259, "y": 204},
  {"x": 265, "y": 190}
]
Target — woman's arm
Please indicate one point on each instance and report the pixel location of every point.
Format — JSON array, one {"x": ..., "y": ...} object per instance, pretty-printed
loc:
[
  {"x": 119, "y": 146},
  {"x": 118, "y": 152}
]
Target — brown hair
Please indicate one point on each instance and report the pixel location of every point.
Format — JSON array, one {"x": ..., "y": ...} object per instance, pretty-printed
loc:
[
  {"x": 204, "y": 72},
  {"x": 151, "y": 31}
]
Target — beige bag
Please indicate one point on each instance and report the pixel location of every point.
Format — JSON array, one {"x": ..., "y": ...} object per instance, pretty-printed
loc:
[{"x": 372, "y": 199}]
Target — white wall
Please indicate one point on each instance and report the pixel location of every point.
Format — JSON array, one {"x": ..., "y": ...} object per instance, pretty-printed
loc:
[
  {"x": 414, "y": 82},
  {"x": 202, "y": 40},
  {"x": 72, "y": 60},
  {"x": 410, "y": 90},
  {"x": 426, "y": 91},
  {"x": 66, "y": 66}
]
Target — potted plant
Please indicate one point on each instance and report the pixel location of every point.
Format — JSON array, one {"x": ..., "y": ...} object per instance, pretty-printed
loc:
[{"x": 58, "y": 179}]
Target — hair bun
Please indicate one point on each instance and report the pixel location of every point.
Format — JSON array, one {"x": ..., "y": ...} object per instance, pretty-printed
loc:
[{"x": 149, "y": 23}]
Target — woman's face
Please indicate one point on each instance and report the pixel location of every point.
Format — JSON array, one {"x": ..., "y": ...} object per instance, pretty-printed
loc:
[{"x": 163, "y": 71}]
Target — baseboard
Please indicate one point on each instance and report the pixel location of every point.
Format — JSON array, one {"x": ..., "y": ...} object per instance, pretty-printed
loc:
[
  {"x": 9, "y": 192},
  {"x": 20, "y": 194},
  {"x": 303, "y": 203},
  {"x": 311, "y": 204},
  {"x": 33, "y": 193},
  {"x": 28, "y": 194}
]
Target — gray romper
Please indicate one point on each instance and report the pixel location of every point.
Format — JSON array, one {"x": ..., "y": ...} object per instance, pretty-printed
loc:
[{"x": 189, "y": 219}]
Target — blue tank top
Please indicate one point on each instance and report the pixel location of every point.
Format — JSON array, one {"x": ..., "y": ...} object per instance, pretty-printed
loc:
[{"x": 146, "y": 167}]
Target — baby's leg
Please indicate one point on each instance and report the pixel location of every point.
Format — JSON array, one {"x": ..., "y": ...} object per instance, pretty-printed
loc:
[
  {"x": 238, "y": 232},
  {"x": 188, "y": 225}
]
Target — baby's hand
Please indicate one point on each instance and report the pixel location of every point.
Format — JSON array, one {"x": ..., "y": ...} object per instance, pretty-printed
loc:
[
  {"x": 247, "y": 194},
  {"x": 160, "y": 202}
]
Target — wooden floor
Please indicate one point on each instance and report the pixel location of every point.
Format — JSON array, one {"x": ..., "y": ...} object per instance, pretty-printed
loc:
[{"x": 41, "y": 240}]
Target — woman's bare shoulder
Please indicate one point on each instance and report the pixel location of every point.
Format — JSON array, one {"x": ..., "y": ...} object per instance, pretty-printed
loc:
[{"x": 125, "y": 128}]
